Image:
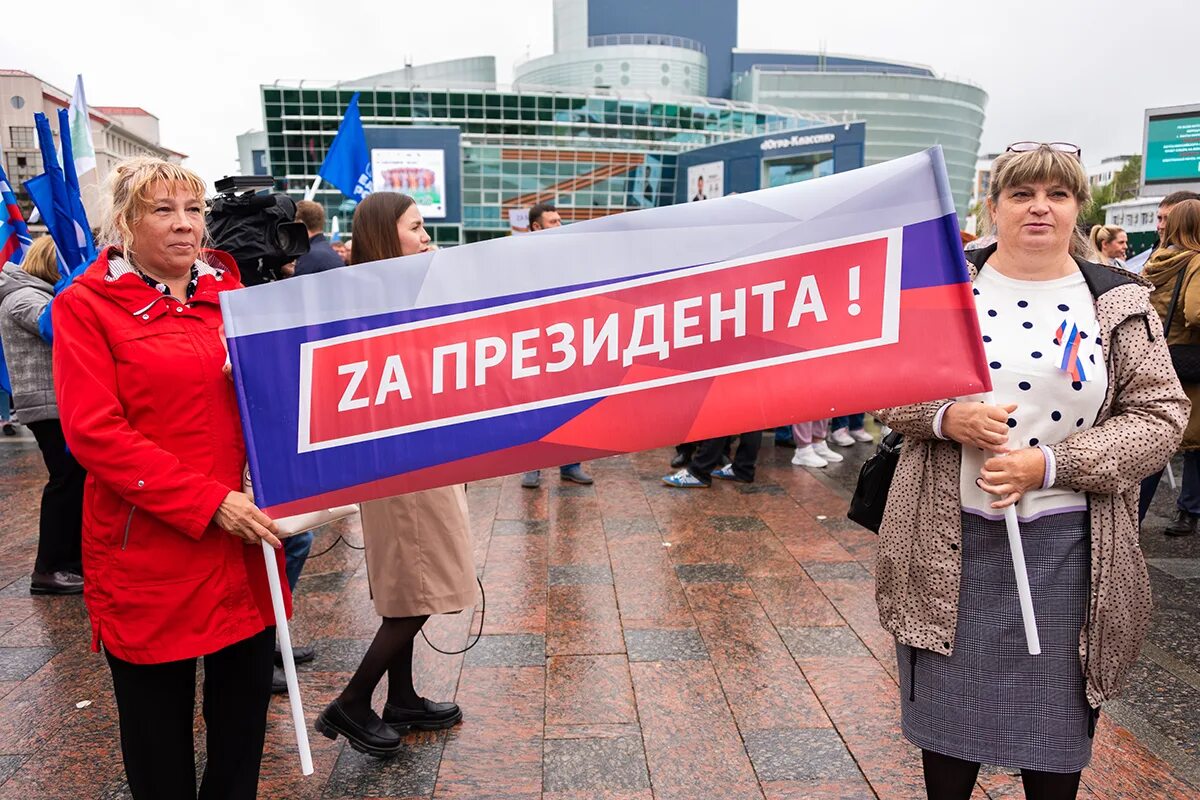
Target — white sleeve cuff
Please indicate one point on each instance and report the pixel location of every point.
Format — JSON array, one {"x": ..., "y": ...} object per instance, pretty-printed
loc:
[
  {"x": 937, "y": 420},
  {"x": 1048, "y": 454}
]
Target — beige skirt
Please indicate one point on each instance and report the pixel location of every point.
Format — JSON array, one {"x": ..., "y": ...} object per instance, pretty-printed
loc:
[{"x": 419, "y": 553}]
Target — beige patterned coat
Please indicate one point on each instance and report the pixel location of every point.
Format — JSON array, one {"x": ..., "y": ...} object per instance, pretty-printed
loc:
[{"x": 1138, "y": 428}]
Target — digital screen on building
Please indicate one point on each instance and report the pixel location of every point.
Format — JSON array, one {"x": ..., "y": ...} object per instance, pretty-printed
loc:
[
  {"x": 420, "y": 174},
  {"x": 1173, "y": 149}
]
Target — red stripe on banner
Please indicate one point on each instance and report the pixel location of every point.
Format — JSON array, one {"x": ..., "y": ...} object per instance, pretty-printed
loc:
[
  {"x": 431, "y": 373},
  {"x": 931, "y": 320}
]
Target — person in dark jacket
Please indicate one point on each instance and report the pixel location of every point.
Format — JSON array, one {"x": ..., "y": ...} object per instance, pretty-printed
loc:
[
  {"x": 25, "y": 290},
  {"x": 320, "y": 255}
]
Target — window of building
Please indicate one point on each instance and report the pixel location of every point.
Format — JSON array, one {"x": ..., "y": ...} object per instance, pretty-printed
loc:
[{"x": 22, "y": 137}]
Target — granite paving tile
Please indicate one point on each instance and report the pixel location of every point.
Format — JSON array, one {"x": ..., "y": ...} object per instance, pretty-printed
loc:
[
  {"x": 9, "y": 765},
  {"x": 583, "y": 619},
  {"x": 1185, "y": 569},
  {"x": 794, "y": 601},
  {"x": 496, "y": 754},
  {"x": 799, "y": 754},
  {"x": 709, "y": 573},
  {"x": 411, "y": 773},
  {"x": 18, "y": 663},
  {"x": 591, "y": 731},
  {"x": 520, "y": 527},
  {"x": 738, "y": 524},
  {"x": 589, "y": 690},
  {"x": 515, "y": 581},
  {"x": 1123, "y": 768},
  {"x": 692, "y": 745},
  {"x": 619, "y": 529},
  {"x": 760, "y": 679},
  {"x": 647, "y": 587},
  {"x": 1168, "y": 703},
  {"x": 508, "y": 650},
  {"x": 836, "y": 571},
  {"x": 812, "y": 642},
  {"x": 579, "y": 574},
  {"x": 665, "y": 645},
  {"x": 519, "y": 503},
  {"x": 848, "y": 789},
  {"x": 596, "y": 764}
]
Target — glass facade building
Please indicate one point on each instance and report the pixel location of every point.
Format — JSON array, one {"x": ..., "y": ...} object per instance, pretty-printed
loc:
[{"x": 591, "y": 154}]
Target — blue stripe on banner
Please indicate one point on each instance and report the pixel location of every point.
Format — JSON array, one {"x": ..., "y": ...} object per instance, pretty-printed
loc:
[
  {"x": 933, "y": 254},
  {"x": 269, "y": 362}
]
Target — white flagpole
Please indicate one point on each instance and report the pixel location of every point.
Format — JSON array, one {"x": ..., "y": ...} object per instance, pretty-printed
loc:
[
  {"x": 1171, "y": 477},
  {"x": 289, "y": 665},
  {"x": 1018, "y": 558},
  {"x": 312, "y": 190}
]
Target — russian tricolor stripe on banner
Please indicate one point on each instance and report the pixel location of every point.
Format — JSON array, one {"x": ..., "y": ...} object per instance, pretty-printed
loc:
[{"x": 615, "y": 335}]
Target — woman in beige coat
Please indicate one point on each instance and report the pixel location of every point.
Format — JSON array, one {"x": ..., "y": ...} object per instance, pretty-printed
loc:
[
  {"x": 419, "y": 555},
  {"x": 1179, "y": 259}
]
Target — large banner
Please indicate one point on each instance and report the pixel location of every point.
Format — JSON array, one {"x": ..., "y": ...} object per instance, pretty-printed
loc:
[{"x": 615, "y": 335}]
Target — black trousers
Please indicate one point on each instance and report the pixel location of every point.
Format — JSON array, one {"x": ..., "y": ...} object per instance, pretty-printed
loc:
[
  {"x": 156, "y": 705},
  {"x": 60, "y": 529},
  {"x": 709, "y": 453}
]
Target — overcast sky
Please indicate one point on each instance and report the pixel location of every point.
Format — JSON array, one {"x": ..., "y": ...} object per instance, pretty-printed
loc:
[{"x": 1054, "y": 69}]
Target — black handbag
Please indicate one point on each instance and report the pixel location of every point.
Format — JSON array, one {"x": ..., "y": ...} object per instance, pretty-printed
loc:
[
  {"x": 1185, "y": 357},
  {"x": 874, "y": 482}
]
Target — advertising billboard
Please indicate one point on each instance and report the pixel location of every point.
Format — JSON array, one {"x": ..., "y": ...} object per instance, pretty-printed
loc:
[
  {"x": 420, "y": 174},
  {"x": 705, "y": 181},
  {"x": 1173, "y": 148}
]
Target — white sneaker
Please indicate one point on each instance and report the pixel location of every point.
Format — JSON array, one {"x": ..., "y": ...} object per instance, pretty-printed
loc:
[
  {"x": 862, "y": 435},
  {"x": 807, "y": 457},
  {"x": 822, "y": 450},
  {"x": 842, "y": 438}
]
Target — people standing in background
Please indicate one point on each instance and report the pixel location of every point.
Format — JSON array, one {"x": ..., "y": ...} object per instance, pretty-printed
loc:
[
  {"x": 321, "y": 255},
  {"x": 707, "y": 456},
  {"x": 1109, "y": 245},
  {"x": 1177, "y": 262},
  {"x": 811, "y": 447},
  {"x": 544, "y": 216},
  {"x": 25, "y": 290},
  {"x": 848, "y": 430}
]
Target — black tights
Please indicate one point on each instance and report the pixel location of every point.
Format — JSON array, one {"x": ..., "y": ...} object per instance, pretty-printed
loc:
[
  {"x": 391, "y": 651},
  {"x": 949, "y": 778}
]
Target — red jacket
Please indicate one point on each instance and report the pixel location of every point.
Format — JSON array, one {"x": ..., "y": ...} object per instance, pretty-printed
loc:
[{"x": 147, "y": 410}]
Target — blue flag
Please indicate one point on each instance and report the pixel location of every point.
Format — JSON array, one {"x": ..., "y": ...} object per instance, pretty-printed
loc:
[
  {"x": 347, "y": 165},
  {"x": 83, "y": 231},
  {"x": 49, "y": 193}
]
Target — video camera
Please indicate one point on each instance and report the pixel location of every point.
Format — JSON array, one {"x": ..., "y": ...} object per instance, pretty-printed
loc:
[{"x": 258, "y": 230}]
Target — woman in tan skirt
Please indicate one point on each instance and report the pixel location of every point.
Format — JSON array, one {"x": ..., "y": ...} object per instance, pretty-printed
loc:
[{"x": 419, "y": 559}]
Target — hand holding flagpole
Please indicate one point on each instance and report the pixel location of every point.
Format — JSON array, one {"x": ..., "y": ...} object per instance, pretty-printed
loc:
[{"x": 1015, "y": 546}]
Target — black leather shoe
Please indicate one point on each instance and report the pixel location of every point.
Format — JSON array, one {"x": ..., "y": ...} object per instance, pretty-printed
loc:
[
  {"x": 532, "y": 479},
  {"x": 278, "y": 680},
  {"x": 430, "y": 716},
  {"x": 375, "y": 738},
  {"x": 300, "y": 655},
  {"x": 9, "y": 430},
  {"x": 679, "y": 461},
  {"x": 576, "y": 474},
  {"x": 62, "y": 582},
  {"x": 1184, "y": 523}
]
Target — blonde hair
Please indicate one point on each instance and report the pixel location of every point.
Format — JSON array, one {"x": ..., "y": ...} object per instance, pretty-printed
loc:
[
  {"x": 128, "y": 196},
  {"x": 42, "y": 260},
  {"x": 1102, "y": 235},
  {"x": 1044, "y": 166}
]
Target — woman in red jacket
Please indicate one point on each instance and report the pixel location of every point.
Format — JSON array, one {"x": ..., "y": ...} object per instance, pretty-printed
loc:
[{"x": 148, "y": 411}]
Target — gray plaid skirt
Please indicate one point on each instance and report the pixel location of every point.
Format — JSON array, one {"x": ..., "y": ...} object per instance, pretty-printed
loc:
[{"x": 991, "y": 701}]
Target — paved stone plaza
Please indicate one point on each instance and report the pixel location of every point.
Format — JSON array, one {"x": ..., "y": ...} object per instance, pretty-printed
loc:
[{"x": 640, "y": 642}]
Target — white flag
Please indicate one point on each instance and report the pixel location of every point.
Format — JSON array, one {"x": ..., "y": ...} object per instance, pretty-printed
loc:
[
  {"x": 81, "y": 130},
  {"x": 335, "y": 232}
]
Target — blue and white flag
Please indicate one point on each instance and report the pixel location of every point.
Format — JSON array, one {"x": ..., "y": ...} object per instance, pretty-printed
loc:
[
  {"x": 83, "y": 230},
  {"x": 81, "y": 131},
  {"x": 49, "y": 193},
  {"x": 347, "y": 165}
]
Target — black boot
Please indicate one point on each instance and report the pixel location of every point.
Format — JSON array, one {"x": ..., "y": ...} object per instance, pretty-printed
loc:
[
  {"x": 1184, "y": 523},
  {"x": 430, "y": 716},
  {"x": 375, "y": 738}
]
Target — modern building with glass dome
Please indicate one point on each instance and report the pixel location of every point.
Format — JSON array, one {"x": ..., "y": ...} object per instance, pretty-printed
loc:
[{"x": 598, "y": 126}]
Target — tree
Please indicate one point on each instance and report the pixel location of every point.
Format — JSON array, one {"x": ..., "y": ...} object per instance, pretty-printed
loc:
[{"x": 1123, "y": 186}]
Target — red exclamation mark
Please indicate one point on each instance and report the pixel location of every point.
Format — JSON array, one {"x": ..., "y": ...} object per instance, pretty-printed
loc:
[{"x": 855, "y": 309}]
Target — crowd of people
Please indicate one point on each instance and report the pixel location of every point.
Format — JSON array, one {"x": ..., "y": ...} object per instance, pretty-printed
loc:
[{"x": 135, "y": 414}]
